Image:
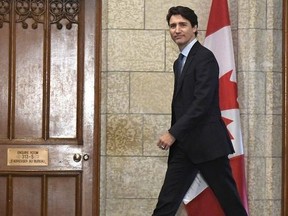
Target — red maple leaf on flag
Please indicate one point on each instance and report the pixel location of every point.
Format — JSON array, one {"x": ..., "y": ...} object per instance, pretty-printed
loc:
[
  {"x": 227, "y": 96},
  {"x": 227, "y": 92}
]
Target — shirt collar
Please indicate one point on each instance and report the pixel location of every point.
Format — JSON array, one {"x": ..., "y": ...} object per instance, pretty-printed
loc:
[{"x": 187, "y": 49}]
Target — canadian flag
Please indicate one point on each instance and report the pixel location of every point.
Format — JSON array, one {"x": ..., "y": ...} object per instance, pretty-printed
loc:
[{"x": 219, "y": 41}]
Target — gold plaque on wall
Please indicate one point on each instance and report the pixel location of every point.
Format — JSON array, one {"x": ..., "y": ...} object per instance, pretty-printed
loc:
[{"x": 27, "y": 157}]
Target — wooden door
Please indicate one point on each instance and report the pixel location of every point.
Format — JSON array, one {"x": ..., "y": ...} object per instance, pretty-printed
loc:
[{"x": 49, "y": 107}]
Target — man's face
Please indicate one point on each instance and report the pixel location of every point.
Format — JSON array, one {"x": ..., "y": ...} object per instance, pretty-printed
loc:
[{"x": 181, "y": 30}]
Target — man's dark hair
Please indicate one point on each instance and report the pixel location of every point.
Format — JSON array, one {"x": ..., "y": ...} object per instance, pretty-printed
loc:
[{"x": 185, "y": 12}]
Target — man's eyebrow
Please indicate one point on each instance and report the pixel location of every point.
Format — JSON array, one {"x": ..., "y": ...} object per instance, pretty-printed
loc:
[
  {"x": 179, "y": 23},
  {"x": 184, "y": 22}
]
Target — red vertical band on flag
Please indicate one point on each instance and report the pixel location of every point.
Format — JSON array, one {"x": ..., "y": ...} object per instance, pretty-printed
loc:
[{"x": 218, "y": 16}]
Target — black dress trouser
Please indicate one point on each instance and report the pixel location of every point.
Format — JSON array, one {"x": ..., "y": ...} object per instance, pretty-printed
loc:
[{"x": 181, "y": 172}]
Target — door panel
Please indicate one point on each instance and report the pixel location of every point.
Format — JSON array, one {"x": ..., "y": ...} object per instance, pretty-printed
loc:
[
  {"x": 4, "y": 71},
  {"x": 3, "y": 194},
  {"x": 63, "y": 82},
  {"x": 60, "y": 196},
  {"x": 49, "y": 107},
  {"x": 22, "y": 188},
  {"x": 28, "y": 81},
  {"x": 41, "y": 194}
]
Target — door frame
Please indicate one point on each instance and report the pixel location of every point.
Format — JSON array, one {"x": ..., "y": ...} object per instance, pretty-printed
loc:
[
  {"x": 97, "y": 114},
  {"x": 285, "y": 111}
]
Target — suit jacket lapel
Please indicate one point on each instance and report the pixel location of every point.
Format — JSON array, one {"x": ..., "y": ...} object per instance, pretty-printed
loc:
[{"x": 186, "y": 66}]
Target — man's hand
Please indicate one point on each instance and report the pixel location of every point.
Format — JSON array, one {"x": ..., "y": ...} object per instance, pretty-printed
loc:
[{"x": 165, "y": 141}]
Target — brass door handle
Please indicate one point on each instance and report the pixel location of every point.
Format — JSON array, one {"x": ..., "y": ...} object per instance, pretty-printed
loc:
[{"x": 77, "y": 157}]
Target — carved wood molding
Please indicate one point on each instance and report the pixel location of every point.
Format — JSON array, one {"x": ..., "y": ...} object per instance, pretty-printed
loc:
[
  {"x": 4, "y": 12},
  {"x": 285, "y": 112},
  {"x": 59, "y": 10}
]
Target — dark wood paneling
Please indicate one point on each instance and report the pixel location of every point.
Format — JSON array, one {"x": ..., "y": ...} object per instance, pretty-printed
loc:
[{"x": 42, "y": 70}]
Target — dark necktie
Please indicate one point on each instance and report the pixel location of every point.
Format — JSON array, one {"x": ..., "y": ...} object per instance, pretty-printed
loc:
[{"x": 179, "y": 64}]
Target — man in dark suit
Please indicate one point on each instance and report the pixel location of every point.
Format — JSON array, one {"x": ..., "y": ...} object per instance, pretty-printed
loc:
[{"x": 198, "y": 140}]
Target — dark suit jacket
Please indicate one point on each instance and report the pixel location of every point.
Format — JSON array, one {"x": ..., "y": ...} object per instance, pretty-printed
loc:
[{"x": 196, "y": 118}]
